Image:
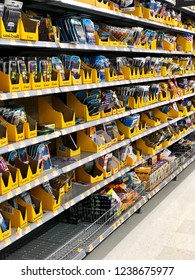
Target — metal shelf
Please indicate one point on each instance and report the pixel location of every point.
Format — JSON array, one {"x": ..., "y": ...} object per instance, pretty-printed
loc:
[
  {"x": 128, "y": 49},
  {"x": 83, "y": 47},
  {"x": 28, "y": 44},
  {"x": 28, "y": 93}
]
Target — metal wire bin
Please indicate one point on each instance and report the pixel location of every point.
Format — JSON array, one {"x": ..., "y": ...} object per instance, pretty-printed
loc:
[{"x": 79, "y": 241}]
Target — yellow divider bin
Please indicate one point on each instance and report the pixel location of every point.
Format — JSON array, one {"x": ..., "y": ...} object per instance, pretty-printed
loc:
[
  {"x": 33, "y": 214},
  {"x": 147, "y": 14},
  {"x": 54, "y": 79},
  {"x": 67, "y": 81},
  {"x": 183, "y": 110},
  {"x": 15, "y": 133},
  {"x": 86, "y": 75},
  {"x": 30, "y": 128},
  {"x": 35, "y": 168},
  {"x": 99, "y": 42},
  {"x": 164, "y": 72},
  {"x": 138, "y": 153},
  {"x": 36, "y": 85},
  {"x": 127, "y": 72},
  {"x": 152, "y": 99},
  {"x": 110, "y": 75},
  {"x": 104, "y": 114},
  {"x": 123, "y": 163},
  {"x": 101, "y": 4},
  {"x": 80, "y": 109},
  {"x": 167, "y": 46},
  {"x": 76, "y": 81},
  {"x": 106, "y": 174},
  {"x": 174, "y": 113},
  {"x": 57, "y": 113},
  {"x": 186, "y": 45},
  {"x": 113, "y": 43},
  {"x": 6, "y": 84},
  {"x": 148, "y": 121},
  {"x": 125, "y": 129},
  {"x": 140, "y": 128},
  {"x": 5, "y": 182},
  {"x": 28, "y": 28},
  {"x": 138, "y": 12},
  {"x": 140, "y": 143},
  {"x": 7, "y": 233},
  {"x": 164, "y": 95},
  {"x": 133, "y": 103},
  {"x": 3, "y": 135},
  {"x": 146, "y": 46},
  {"x": 143, "y": 102},
  {"x": 161, "y": 116},
  {"x": 64, "y": 151},
  {"x": 26, "y": 86},
  {"x": 82, "y": 175},
  {"x": 24, "y": 172},
  {"x": 18, "y": 217},
  {"x": 86, "y": 144},
  {"x": 49, "y": 202},
  {"x": 114, "y": 170},
  {"x": 8, "y": 35},
  {"x": 120, "y": 135},
  {"x": 14, "y": 179}
]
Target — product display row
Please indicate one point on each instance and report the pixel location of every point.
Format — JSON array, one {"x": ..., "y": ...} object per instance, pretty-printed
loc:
[{"x": 35, "y": 73}]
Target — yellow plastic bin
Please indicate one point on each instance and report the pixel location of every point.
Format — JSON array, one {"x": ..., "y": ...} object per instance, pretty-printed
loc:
[
  {"x": 33, "y": 213},
  {"x": 49, "y": 202},
  {"x": 80, "y": 109},
  {"x": 28, "y": 28},
  {"x": 82, "y": 175},
  {"x": 57, "y": 113},
  {"x": 8, "y": 35},
  {"x": 63, "y": 151},
  {"x": 18, "y": 217}
]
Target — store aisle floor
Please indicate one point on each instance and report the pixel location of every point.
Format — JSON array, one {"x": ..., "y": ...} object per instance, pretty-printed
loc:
[{"x": 164, "y": 230}]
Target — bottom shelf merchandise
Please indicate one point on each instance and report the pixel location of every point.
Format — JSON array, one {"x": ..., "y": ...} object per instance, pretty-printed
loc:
[{"x": 78, "y": 230}]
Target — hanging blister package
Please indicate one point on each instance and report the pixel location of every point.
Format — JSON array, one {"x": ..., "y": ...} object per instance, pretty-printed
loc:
[
  {"x": 57, "y": 65},
  {"x": 76, "y": 30},
  {"x": 32, "y": 67},
  {"x": 12, "y": 14},
  {"x": 22, "y": 69},
  {"x": 88, "y": 27}
]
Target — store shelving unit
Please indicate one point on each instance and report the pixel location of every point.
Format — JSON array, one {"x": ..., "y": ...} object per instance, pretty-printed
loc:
[{"x": 69, "y": 247}]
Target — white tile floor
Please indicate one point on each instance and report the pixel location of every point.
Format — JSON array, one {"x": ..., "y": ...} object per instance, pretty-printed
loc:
[{"x": 164, "y": 230}]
